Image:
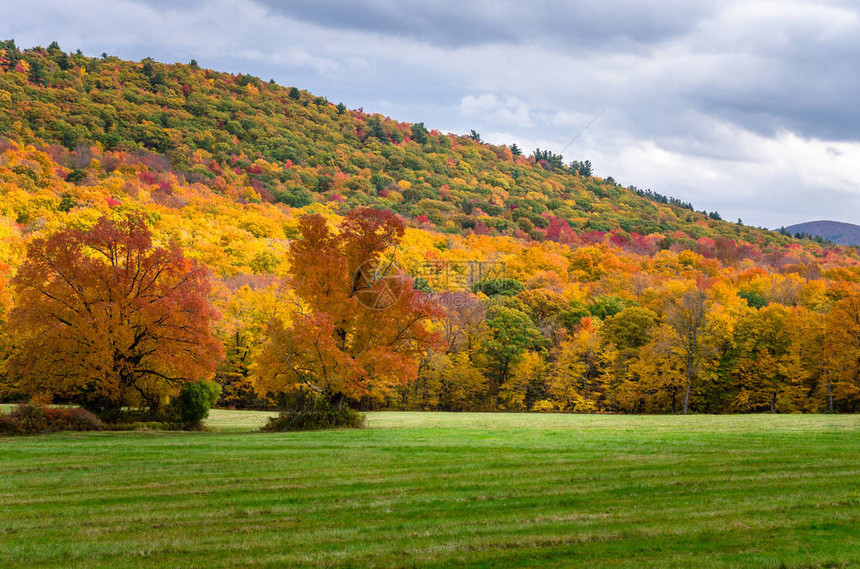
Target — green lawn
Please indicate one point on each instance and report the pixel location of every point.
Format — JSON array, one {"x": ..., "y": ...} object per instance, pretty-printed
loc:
[{"x": 441, "y": 490}]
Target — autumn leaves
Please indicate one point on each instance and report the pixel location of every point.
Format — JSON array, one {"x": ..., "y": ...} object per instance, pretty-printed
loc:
[
  {"x": 334, "y": 342},
  {"x": 107, "y": 319}
]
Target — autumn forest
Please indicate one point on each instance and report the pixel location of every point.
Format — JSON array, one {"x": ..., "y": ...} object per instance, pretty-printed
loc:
[{"x": 166, "y": 225}]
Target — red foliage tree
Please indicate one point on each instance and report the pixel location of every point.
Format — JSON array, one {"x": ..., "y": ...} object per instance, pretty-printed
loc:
[{"x": 106, "y": 319}]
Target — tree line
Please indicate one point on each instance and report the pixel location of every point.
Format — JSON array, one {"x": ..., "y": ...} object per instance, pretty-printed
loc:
[{"x": 106, "y": 318}]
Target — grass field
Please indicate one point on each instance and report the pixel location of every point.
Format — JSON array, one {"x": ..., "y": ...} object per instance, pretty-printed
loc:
[{"x": 441, "y": 490}]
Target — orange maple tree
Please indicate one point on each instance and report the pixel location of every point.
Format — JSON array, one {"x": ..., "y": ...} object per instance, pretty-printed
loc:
[
  {"x": 359, "y": 327},
  {"x": 104, "y": 318}
]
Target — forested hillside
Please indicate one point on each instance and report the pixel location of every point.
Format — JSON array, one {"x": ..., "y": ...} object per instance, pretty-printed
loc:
[{"x": 542, "y": 287}]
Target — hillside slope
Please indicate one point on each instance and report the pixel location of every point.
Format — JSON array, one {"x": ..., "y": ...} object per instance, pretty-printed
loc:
[{"x": 295, "y": 148}]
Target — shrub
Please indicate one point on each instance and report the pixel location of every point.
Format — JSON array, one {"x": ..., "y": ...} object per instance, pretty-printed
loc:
[
  {"x": 8, "y": 426},
  {"x": 33, "y": 419},
  {"x": 30, "y": 418},
  {"x": 194, "y": 401},
  {"x": 319, "y": 415},
  {"x": 71, "y": 419},
  {"x": 144, "y": 426}
]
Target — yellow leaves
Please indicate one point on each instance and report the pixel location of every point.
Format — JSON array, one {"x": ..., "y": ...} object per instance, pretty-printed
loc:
[
  {"x": 419, "y": 240},
  {"x": 394, "y": 197},
  {"x": 450, "y": 382},
  {"x": 321, "y": 209},
  {"x": 814, "y": 296},
  {"x": 582, "y": 371},
  {"x": 689, "y": 258},
  {"x": 841, "y": 348},
  {"x": 655, "y": 381},
  {"x": 773, "y": 360},
  {"x": 248, "y": 311},
  {"x": 260, "y": 226},
  {"x": 666, "y": 215},
  {"x": 529, "y": 370},
  {"x": 11, "y": 243},
  {"x": 785, "y": 289},
  {"x": 534, "y": 258},
  {"x": 535, "y": 196},
  {"x": 546, "y": 406},
  {"x": 586, "y": 264},
  {"x": 250, "y": 194},
  {"x": 677, "y": 287}
]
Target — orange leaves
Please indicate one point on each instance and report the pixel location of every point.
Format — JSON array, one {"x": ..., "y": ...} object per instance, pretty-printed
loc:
[
  {"x": 104, "y": 318},
  {"x": 360, "y": 327},
  {"x": 842, "y": 353}
]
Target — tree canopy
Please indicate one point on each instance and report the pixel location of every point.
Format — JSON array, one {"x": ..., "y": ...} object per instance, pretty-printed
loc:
[
  {"x": 106, "y": 318},
  {"x": 359, "y": 327}
]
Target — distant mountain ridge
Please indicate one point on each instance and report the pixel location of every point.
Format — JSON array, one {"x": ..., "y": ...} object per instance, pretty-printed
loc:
[{"x": 835, "y": 231}]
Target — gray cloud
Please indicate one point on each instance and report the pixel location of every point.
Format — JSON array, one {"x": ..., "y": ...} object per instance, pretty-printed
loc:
[{"x": 453, "y": 23}]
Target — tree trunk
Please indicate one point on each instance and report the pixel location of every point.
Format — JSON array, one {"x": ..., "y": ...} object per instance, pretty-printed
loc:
[
  {"x": 829, "y": 392},
  {"x": 497, "y": 381},
  {"x": 337, "y": 400},
  {"x": 687, "y": 389}
]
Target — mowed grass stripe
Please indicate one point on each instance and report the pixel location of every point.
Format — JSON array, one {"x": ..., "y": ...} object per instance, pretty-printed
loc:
[{"x": 608, "y": 491}]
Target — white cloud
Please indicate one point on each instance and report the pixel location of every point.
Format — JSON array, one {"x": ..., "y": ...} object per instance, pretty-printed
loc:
[
  {"x": 505, "y": 111},
  {"x": 772, "y": 180}
]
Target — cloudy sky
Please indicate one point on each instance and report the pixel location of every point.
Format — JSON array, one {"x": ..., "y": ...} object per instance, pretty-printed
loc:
[{"x": 744, "y": 107}]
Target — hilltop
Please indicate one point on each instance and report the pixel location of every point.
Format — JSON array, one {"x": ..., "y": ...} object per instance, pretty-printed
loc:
[{"x": 833, "y": 231}]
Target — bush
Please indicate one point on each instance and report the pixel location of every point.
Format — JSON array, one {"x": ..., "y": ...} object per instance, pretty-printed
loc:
[
  {"x": 8, "y": 426},
  {"x": 71, "y": 419},
  {"x": 194, "y": 401},
  {"x": 34, "y": 419},
  {"x": 30, "y": 419},
  {"x": 144, "y": 426},
  {"x": 319, "y": 415}
]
